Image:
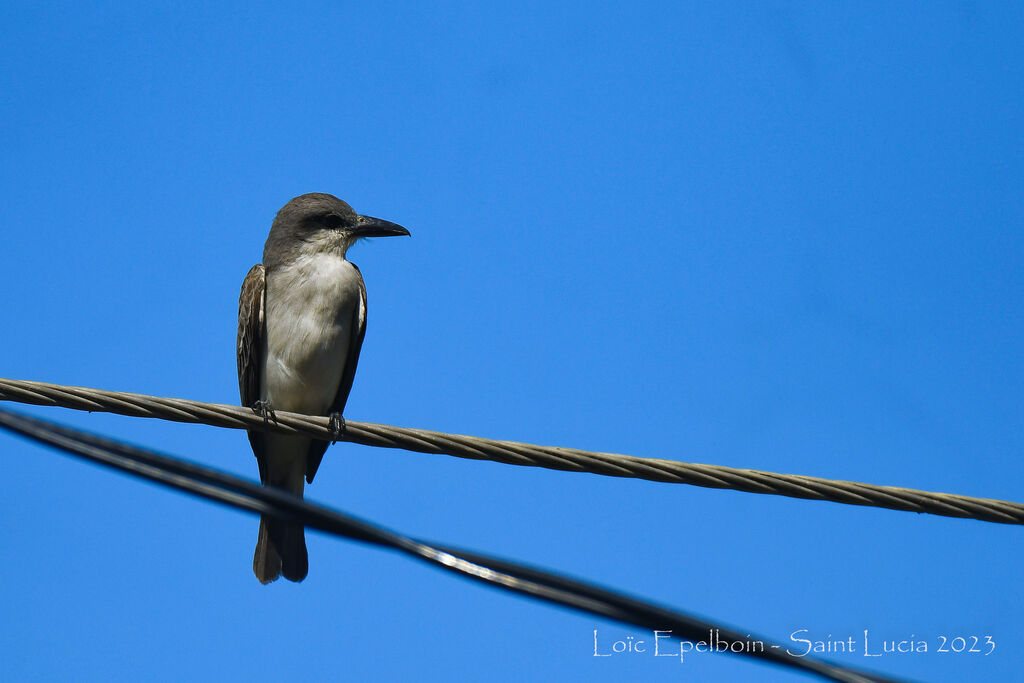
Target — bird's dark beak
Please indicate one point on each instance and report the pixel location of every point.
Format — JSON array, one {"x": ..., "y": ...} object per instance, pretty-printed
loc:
[{"x": 368, "y": 226}]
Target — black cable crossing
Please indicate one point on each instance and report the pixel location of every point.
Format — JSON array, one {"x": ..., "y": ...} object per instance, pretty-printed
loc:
[{"x": 539, "y": 584}]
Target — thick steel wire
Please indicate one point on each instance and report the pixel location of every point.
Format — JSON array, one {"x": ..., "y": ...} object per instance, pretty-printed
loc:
[{"x": 514, "y": 453}]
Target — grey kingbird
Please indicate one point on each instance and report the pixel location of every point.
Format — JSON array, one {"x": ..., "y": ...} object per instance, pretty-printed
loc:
[{"x": 301, "y": 321}]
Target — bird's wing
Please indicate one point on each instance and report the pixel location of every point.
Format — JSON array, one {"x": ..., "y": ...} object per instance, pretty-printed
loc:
[
  {"x": 317, "y": 448},
  {"x": 251, "y": 333}
]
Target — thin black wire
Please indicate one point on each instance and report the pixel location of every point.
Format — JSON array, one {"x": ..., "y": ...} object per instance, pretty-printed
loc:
[{"x": 233, "y": 491}]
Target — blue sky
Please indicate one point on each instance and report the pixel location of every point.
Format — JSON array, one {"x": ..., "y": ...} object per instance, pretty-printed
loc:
[{"x": 768, "y": 235}]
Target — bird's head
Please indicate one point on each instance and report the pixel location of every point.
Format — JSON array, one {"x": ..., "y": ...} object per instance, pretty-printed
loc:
[{"x": 319, "y": 222}]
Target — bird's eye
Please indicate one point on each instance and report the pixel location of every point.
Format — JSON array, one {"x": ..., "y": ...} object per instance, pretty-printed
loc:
[{"x": 332, "y": 220}]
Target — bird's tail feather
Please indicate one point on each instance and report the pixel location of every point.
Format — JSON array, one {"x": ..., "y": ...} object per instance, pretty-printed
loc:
[{"x": 280, "y": 549}]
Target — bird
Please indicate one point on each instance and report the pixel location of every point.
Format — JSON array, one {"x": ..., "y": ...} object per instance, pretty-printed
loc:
[{"x": 301, "y": 323}]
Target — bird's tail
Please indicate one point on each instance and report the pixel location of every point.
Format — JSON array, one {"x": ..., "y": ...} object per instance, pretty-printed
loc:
[
  {"x": 281, "y": 546},
  {"x": 280, "y": 549}
]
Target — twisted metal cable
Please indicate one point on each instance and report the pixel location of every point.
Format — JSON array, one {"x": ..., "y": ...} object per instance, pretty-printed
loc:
[{"x": 514, "y": 453}]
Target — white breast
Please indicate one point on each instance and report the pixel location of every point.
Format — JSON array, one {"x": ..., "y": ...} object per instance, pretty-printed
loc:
[{"x": 312, "y": 308}]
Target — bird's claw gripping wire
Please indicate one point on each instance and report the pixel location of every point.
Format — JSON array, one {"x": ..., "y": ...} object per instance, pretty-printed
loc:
[
  {"x": 265, "y": 410},
  {"x": 337, "y": 427}
]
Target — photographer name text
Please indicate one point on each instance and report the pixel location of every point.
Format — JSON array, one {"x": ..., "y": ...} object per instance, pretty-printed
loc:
[{"x": 801, "y": 644}]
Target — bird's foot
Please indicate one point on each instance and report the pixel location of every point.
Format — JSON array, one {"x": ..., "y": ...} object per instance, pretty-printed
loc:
[
  {"x": 337, "y": 426},
  {"x": 265, "y": 410}
]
